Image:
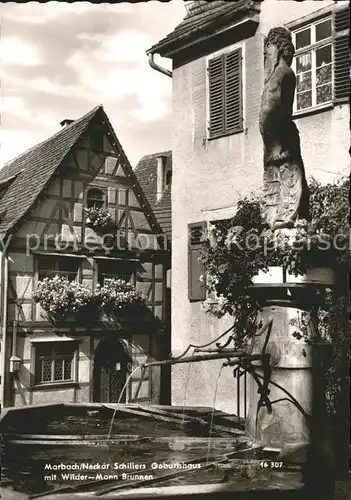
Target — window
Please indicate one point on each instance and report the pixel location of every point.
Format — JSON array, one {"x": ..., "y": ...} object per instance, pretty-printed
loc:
[
  {"x": 196, "y": 289},
  {"x": 117, "y": 269},
  {"x": 313, "y": 65},
  {"x": 95, "y": 198},
  {"x": 63, "y": 266},
  {"x": 55, "y": 362},
  {"x": 321, "y": 61},
  {"x": 225, "y": 94}
]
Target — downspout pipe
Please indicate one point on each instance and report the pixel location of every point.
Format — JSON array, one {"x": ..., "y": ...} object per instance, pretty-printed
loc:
[{"x": 157, "y": 67}]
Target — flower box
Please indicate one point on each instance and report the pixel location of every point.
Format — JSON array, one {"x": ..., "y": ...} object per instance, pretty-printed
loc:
[
  {"x": 64, "y": 301},
  {"x": 275, "y": 274},
  {"x": 316, "y": 275},
  {"x": 98, "y": 219}
]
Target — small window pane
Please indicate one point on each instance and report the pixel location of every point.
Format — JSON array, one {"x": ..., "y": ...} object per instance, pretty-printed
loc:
[
  {"x": 58, "y": 369},
  {"x": 303, "y": 38},
  {"x": 303, "y": 62},
  {"x": 304, "y": 100},
  {"x": 304, "y": 82},
  {"x": 324, "y": 74},
  {"x": 323, "y": 56},
  {"x": 46, "y": 370},
  {"x": 68, "y": 369},
  {"x": 95, "y": 198},
  {"x": 323, "y": 30},
  {"x": 324, "y": 93}
]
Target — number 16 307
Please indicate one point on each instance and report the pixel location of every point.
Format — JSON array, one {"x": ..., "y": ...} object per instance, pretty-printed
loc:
[{"x": 271, "y": 465}]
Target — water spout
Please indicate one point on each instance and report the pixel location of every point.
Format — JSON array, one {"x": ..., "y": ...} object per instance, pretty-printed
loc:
[
  {"x": 212, "y": 412},
  {"x": 120, "y": 397},
  {"x": 185, "y": 391}
]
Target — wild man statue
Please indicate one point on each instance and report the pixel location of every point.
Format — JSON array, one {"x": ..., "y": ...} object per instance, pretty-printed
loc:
[{"x": 285, "y": 188}]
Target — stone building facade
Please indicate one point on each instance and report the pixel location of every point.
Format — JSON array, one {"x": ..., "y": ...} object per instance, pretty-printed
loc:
[{"x": 217, "y": 54}]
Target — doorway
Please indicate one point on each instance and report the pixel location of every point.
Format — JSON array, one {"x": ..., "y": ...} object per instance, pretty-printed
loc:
[{"x": 111, "y": 368}]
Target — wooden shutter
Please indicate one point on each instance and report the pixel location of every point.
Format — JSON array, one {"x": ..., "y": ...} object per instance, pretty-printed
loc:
[
  {"x": 216, "y": 96},
  {"x": 233, "y": 92},
  {"x": 196, "y": 289},
  {"x": 341, "y": 21},
  {"x": 225, "y": 94}
]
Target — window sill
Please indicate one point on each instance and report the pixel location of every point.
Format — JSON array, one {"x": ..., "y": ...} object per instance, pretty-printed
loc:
[
  {"x": 208, "y": 138},
  {"x": 54, "y": 385},
  {"x": 312, "y": 111}
]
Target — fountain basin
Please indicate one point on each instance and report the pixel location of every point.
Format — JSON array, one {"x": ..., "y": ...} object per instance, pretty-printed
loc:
[{"x": 43, "y": 456}]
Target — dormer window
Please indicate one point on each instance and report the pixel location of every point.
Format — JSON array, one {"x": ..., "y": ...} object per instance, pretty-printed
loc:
[{"x": 95, "y": 198}]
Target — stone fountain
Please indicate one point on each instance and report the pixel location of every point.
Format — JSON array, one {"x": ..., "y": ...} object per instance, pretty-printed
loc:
[{"x": 282, "y": 417}]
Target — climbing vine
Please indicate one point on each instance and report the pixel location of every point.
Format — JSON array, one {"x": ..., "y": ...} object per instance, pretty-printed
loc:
[{"x": 236, "y": 250}]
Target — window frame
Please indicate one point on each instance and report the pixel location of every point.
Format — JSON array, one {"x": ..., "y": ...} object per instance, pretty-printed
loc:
[
  {"x": 37, "y": 380},
  {"x": 312, "y": 48},
  {"x": 227, "y": 50},
  {"x": 100, "y": 277},
  {"x": 104, "y": 197},
  {"x": 58, "y": 272}
]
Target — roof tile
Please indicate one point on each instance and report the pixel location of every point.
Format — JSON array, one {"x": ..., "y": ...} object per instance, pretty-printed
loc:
[
  {"x": 205, "y": 18},
  {"x": 33, "y": 170}
]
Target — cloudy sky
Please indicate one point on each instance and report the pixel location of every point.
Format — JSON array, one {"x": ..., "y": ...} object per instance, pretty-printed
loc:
[{"x": 60, "y": 60}]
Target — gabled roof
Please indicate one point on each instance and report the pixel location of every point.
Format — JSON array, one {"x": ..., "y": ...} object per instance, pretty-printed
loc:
[
  {"x": 204, "y": 18},
  {"x": 33, "y": 170},
  {"x": 146, "y": 172}
]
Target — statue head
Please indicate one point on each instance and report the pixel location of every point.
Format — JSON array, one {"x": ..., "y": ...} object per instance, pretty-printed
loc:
[{"x": 279, "y": 39}]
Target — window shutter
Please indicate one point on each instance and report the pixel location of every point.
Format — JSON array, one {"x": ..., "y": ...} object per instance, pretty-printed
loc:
[
  {"x": 196, "y": 289},
  {"x": 216, "y": 95},
  {"x": 341, "y": 20},
  {"x": 233, "y": 92},
  {"x": 225, "y": 94}
]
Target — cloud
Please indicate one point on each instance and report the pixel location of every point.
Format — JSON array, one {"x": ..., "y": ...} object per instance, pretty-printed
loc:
[
  {"x": 128, "y": 45},
  {"x": 11, "y": 140},
  {"x": 39, "y": 14},
  {"x": 99, "y": 70},
  {"x": 62, "y": 59},
  {"x": 14, "y": 50},
  {"x": 17, "y": 107}
]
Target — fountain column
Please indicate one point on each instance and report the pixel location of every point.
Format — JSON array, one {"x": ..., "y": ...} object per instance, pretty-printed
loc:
[{"x": 283, "y": 298}]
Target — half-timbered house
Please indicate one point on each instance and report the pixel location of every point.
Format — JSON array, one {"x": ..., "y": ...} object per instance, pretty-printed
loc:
[{"x": 45, "y": 231}]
